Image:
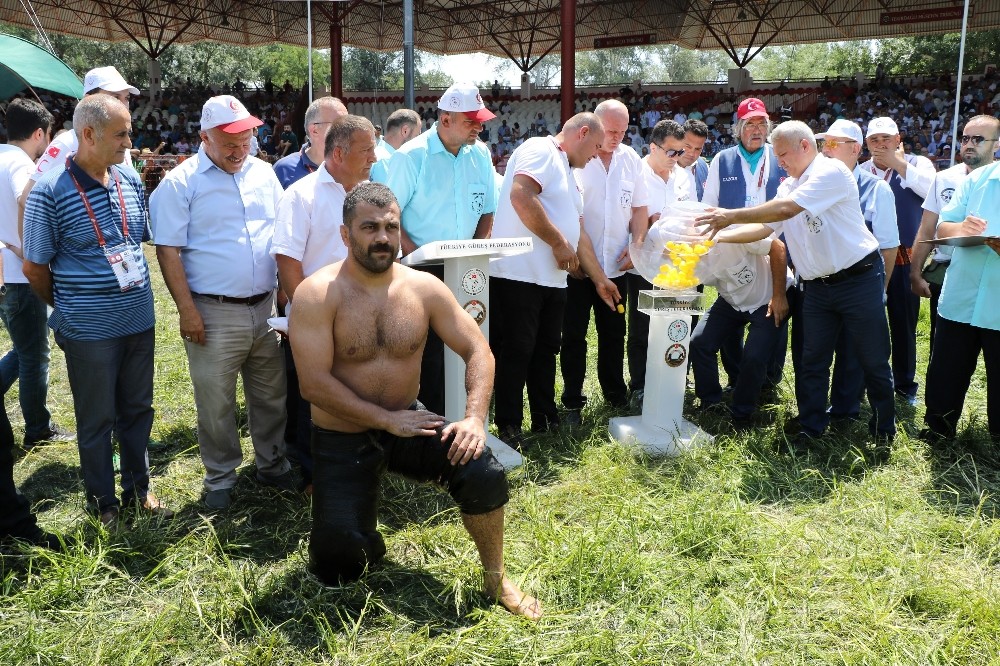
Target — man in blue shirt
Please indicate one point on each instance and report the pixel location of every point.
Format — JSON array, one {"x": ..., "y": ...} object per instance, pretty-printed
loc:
[
  {"x": 445, "y": 184},
  {"x": 319, "y": 116},
  {"x": 968, "y": 316},
  {"x": 84, "y": 223}
]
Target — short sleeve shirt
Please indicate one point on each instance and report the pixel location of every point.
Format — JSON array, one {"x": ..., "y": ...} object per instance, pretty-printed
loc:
[
  {"x": 89, "y": 302},
  {"x": 310, "y": 214},
  {"x": 441, "y": 196},
  {"x": 15, "y": 171},
  {"x": 741, "y": 272},
  {"x": 293, "y": 167},
  {"x": 62, "y": 147},
  {"x": 830, "y": 234},
  {"x": 942, "y": 189},
  {"x": 542, "y": 160}
]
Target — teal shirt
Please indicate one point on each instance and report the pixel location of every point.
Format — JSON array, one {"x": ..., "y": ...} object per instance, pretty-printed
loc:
[
  {"x": 442, "y": 196},
  {"x": 971, "y": 285},
  {"x": 380, "y": 170}
]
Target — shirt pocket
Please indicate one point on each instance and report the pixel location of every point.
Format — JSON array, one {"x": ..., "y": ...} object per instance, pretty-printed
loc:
[
  {"x": 627, "y": 187},
  {"x": 477, "y": 198},
  {"x": 741, "y": 274}
]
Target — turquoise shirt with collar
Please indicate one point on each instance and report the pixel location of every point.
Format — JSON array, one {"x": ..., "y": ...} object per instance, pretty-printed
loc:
[
  {"x": 442, "y": 196},
  {"x": 971, "y": 285},
  {"x": 380, "y": 170}
]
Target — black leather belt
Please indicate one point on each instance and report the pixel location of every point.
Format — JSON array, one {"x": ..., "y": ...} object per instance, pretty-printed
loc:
[
  {"x": 859, "y": 268},
  {"x": 250, "y": 300}
]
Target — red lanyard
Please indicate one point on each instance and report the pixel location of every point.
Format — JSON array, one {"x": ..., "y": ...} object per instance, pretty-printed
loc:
[
  {"x": 763, "y": 163},
  {"x": 888, "y": 172},
  {"x": 90, "y": 210}
]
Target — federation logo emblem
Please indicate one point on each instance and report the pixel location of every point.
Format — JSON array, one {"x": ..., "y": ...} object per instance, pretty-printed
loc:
[
  {"x": 478, "y": 202},
  {"x": 476, "y": 310},
  {"x": 745, "y": 276},
  {"x": 453, "y": 102},
  {"x": 946, "y": 194},
  {"x": 675, "y": 356},
  {"x": 474, "y": 281},
  {"x": 813, "y": 224}
]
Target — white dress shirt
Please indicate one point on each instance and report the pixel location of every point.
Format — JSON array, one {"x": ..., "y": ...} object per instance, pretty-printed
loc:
[
  {"x": 309, "y": 217},
  {"x": 741, "y": 272}
]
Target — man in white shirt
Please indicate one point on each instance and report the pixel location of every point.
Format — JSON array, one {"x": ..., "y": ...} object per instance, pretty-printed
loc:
[
  {"x": 614, "y": 205},
  {"x": 817, "y": 208},
  {"x": 307, "y": 235},
  {"x": 978, "y": 143},
  {"x": 910, "y": 177},
  {"x": 213, "y": 222},
  {"x": 24, "y": 314},
  {"x": 540, "y": 199}
]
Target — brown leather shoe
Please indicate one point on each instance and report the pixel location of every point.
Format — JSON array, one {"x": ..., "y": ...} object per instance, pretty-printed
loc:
[
  {"x": 308, "y": 490},
  {"x": 154, "y": 507}
]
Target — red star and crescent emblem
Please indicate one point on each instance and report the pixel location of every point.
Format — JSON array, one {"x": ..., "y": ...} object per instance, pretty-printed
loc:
[
  {"x": 234, "y": 105},
  {"x": 53, "y": 151},
  {"x": 754, "y": 105}
]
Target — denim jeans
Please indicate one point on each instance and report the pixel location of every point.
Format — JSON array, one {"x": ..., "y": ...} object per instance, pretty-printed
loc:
[
  {"x": 112, "y": 384},
  {"x": 25, "y": 316},
  {"x": 854, "y": 305},
  {"x": 714, "y": 329}
]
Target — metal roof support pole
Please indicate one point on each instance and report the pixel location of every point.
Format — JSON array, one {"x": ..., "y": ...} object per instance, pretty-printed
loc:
[
  {"x": 568, "y": 58},
  {"x": 409, "y": 101},
  {"x": 336, "y": 59}
]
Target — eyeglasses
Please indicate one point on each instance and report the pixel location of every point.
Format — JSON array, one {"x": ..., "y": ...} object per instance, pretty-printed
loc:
[
  {"x": 833, "y": 143},
  {"x": 975, "y": 139},
  {"x": 670, "y": 152}
]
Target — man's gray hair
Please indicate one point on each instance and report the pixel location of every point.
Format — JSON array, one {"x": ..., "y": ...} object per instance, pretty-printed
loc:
[
  {"x": 401, "y": 117},
  {"x": 313, "y": 111},
  {"x": 96, "y": 111},
  {"x": 342, "y": 129},
  {"x": 374, "y": 194},
  {"x": 794, "y": 131},
  {"x": 740, "y": 124}
]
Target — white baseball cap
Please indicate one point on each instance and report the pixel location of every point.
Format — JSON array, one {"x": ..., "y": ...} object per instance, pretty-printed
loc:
[
  {"x": 228, "y": 114},
  {"x": 882, "y": 126},
  {"x": 844, "y": 129},
  {"x": 106, "y": 78},
  {"x": 465, "y": 98}
]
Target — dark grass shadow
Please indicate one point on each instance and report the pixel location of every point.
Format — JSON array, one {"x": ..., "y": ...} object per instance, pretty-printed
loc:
[
  {"x": 49, "y": 484},
  {"x": 299, "y": 606},
  {"x": 965, "y": 474},
  {"x": 170, "y": 443}
]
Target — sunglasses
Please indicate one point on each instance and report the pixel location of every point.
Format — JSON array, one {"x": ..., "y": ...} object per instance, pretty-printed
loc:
[
  {"x": 975, "y": 139},
  {"x": 833, "y": 143},
  {"x": 670, "y": 152}
]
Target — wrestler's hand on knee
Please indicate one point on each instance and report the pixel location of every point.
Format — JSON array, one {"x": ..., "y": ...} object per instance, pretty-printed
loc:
[
  {"x": 469, "y": 442},
  {"x": 414, "y": 423}
]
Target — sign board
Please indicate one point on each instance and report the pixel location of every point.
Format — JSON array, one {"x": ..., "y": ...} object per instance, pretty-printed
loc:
[
  {"x": 923, "y": 15},
  {"x": 625, "y": 40}
]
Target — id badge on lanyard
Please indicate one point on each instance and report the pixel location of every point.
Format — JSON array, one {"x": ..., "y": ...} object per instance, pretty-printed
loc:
[
  {"x": 755, "y": 198},
  {"x": 124, "y": 257}
]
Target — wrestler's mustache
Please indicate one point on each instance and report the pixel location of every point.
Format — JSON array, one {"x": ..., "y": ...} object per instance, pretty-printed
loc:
[{"x": 379, "y": 247}]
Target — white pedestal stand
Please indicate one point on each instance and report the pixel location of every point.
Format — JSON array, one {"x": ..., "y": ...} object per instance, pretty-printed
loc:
[
  {"x": 661, "y": 429},
  {"x": 466, "y": 272}
]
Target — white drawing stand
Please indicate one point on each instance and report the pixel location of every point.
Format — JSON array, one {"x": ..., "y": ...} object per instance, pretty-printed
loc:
[
  {"x": 467, "y": 274},
  {"x": 661, "y": 429}
]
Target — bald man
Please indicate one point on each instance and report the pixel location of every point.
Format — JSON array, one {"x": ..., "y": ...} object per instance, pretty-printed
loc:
[{"x": 614, "y": 205}]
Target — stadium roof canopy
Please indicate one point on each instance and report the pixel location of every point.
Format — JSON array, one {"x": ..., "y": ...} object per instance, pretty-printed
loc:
[{"x": 523, "y": 30}]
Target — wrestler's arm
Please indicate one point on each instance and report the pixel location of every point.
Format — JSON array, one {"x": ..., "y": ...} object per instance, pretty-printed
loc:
[
  {"x": 462, "y": 335},
  {"x": 310, "y": 330}
]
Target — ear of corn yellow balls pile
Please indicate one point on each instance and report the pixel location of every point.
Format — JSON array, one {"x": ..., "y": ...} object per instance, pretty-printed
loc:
[{"x": 684, "y": 257}]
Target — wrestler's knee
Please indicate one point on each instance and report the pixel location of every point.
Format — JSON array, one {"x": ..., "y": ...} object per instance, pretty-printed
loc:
[
  {"x": 339, "y": 556},
  {"x": 480, "y": 486}
]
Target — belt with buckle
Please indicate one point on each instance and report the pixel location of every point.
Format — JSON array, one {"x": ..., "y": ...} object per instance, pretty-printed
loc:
[
  {"x": 859, "y": 268},
  {"x": 250, "y": 300}
]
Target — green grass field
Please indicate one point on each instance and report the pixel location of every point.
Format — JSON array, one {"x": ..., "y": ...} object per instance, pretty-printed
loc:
[{"x": 728, "y": 554}]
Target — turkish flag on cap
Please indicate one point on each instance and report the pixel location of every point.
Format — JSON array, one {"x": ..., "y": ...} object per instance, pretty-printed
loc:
[{"x": 751, "y": 107}]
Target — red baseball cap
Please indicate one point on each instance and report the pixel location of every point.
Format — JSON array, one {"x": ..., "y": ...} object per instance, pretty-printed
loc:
[{"x": 751, "y": 107}]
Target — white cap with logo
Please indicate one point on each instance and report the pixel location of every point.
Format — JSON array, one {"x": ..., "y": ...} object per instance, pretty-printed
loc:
[
  {"x": 228, "y": 114},
  {"x": 882, "y": 126},
  {"x": 107, "y": 79},
  {"x": 843, "y": 129},
  {"x": 465, "y": 98}
]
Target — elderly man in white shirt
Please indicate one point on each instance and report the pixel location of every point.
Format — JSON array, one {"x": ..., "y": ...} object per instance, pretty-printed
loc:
[
  {"x": 614, "y": 205},
  {"x": 213, "y": 222},
  {"x": 307, "y": 235},
  {"x": 838, "y": 259}
]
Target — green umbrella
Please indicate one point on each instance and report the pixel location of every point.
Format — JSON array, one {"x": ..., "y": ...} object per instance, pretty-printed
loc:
[{"x": 24, "y": 64}]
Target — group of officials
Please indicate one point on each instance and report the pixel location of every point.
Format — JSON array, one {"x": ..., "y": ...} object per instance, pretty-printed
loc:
[{"x": 811, "y": 237}]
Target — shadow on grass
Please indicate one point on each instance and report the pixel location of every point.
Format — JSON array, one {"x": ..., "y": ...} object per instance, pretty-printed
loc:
[
  {"x": 965, "y": 474},
  {"x": 310, "y": 615},
  {"x": 50, "y": 483}
]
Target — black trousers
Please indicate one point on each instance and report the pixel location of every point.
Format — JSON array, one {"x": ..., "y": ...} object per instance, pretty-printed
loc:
[
  {"x": 953, "y": 362},
  {"x": 525, "y": 336},
  {"x": 581, "y": 298},
  {"x": 16, "y": 519}
]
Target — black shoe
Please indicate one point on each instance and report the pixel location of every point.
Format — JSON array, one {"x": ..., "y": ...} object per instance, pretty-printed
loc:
[
  {"x": 742, "y": 423},
  {"x": 712, "y": 408},
  {"x": 513, "y": 437},
  {"x": 55, "y": 434},
  {"x": 800, "y": 445},
  {"x": 40, "y": 538},
  {"x": 571, "y": 418}
]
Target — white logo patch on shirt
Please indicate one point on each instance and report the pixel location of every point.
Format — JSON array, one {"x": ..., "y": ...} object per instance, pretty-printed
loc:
[{"x": 813, "y": 224}]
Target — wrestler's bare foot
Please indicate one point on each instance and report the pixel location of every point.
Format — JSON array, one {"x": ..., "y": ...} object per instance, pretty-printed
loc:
[{"x": 506, "y": 593}]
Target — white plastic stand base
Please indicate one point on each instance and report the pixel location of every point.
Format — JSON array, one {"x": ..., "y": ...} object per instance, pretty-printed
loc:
[
  {"x": 507, "y": 456},
  {"x": 657, "y": 441}
]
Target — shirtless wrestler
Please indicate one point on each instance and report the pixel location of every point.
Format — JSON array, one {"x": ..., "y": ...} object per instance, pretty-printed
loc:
[{"x": 362, "y": 383}]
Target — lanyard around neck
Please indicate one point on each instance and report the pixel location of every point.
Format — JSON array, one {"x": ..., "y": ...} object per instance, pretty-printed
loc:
[{"x": 90, "y": 210}]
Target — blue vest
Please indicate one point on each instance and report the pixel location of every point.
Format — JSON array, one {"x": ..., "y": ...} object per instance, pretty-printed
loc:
[
  {"x": 700, "y": 175},
  {"x": 909, "y": 208},
  {"x": 733, "y": 193}
]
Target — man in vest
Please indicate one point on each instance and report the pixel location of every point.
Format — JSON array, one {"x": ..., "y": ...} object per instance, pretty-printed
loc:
[
  {"x": 745, "y": 175},
  {"x": 910, "y": 177}
]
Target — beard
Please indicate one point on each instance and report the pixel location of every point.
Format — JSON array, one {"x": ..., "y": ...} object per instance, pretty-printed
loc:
[{"x": 366, "y": 256}]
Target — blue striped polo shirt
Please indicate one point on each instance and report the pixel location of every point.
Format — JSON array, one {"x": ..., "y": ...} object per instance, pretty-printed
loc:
[{"x": 89, "y": 304}]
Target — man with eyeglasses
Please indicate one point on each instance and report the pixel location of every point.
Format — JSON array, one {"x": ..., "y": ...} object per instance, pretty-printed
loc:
[
  {"x": 978, "y": 144},
  {"x": 319, "y": 116},
  {"x": 910, "y": 177},
  {"x": 968, "y": 316},
  {"x": 614, "y": 206},
  {"x": 843, "y": 142}
]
